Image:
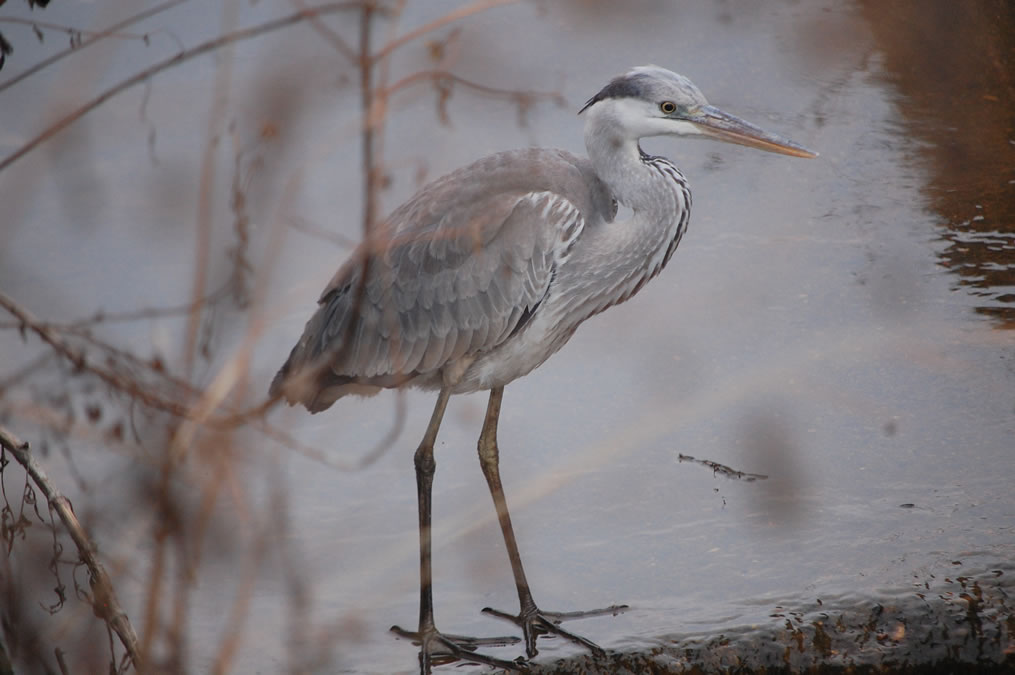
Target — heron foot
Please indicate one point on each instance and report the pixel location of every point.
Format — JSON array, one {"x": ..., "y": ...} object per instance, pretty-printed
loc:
[
  {"x": 438, "y": 649},
  {"x": 535, "y": 622}
]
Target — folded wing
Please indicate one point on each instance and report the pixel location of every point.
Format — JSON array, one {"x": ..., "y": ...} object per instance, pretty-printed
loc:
[{"x": 431, "y": 287}]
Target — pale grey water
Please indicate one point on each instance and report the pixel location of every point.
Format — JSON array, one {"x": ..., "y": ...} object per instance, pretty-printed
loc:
[{"x": 806, "y": 329}]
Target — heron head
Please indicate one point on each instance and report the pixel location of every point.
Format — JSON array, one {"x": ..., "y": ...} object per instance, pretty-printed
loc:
[{"x": 653, "y": 101}]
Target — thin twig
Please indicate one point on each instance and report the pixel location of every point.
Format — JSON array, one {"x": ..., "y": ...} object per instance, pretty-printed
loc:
[
  {"x": 205, "y": 201},
  {"x": 303, "y": 226},
  {"x": 442, "y": 79},
  {"x": 723, "y": 470},
  {"x": 182, "y": 57},
  {"x": 112, "y": 30},
  {"x": 450, "y": 17},
  {"x": 80, "y": 362},
  {"x": 239, "y": 612},
  {"x": 439, "y": 74},
  {"x": 369, "y": 171},
  {"x": 143, "y": 314},
  {"x": 76, "y": 31},
  {"x": 322, "y": 29},
  {"x": 104, "y": 601},
  {"x": 192, "y": 410},
  {"x": 367, "y": 99}
]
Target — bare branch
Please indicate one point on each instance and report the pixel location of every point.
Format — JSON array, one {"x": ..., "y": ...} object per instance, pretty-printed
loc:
[
  {"x": 450, "y": 17},
  {"x": 322, "y": 29},
  {"x": 79, "y": 360},
  {"x": 182, "y": 57},
  {"x": 103, "y": 600},
  {"x": 100, "y": 35},
  {"x": 77, "y": 31},
  {"x": 187, "y": 401},
  {"x": 367, "y": 100},
  {"x": 310, "y": 229},
  {"x": 143, "y": 314},
  {"x": 442, "y": 80}
]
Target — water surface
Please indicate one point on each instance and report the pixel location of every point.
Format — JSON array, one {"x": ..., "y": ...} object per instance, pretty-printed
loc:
[{"x": 841, "y": 325}]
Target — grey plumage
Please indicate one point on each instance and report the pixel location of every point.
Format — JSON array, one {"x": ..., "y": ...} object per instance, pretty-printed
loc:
[
  {"x": 486, "y": 272},
  {"x": 456, "y": 276},
  {"x": 452, "y": 274},
  {"x": 650, "y": 82}
]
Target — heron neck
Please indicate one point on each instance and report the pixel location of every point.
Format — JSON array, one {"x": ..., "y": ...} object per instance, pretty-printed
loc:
[
  {"x": 626, "y": 254},
  {"x": 618, "y": 161}
]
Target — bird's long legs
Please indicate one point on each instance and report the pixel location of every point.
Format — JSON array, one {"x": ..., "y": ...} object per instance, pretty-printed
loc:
[
  {"x": 436, "y": 647},
  {"x": 533, "y": 621}
]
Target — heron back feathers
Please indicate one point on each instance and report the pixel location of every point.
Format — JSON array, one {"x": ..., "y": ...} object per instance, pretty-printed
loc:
[{"x": 452, "y": 274}]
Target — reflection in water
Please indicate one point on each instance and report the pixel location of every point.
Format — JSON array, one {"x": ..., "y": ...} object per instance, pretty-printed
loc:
[{"x": 951, "y": 64}]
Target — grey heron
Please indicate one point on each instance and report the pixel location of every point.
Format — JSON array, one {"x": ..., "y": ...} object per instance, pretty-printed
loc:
[{"x": 488, "y": 271}]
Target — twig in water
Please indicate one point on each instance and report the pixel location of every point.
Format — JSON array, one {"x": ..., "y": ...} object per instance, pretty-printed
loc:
[{"x": 723, "y": 470}]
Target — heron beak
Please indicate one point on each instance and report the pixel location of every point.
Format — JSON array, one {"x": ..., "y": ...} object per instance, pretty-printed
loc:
[{"x": 717, "y": 124}]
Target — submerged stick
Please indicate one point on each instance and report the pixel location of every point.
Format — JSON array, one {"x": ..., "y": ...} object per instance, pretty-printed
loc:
[{"x": 723, "y": 470}]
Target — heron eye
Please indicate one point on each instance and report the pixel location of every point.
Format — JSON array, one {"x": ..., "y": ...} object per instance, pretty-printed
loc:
[{"x": 668, "y": 107}]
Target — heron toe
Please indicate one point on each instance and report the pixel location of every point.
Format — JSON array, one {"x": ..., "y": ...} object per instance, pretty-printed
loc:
[
  {"x": 535, "y": 622},
  {"x": 438, "y": 649}
]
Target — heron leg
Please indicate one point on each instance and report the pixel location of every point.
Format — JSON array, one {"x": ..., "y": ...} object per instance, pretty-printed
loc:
[
  {"x": 533, "y": 621},
  {"x": 435, "y": 647}
]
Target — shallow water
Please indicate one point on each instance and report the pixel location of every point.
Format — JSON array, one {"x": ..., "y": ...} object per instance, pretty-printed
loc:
[{"x": 841, "y": 325}]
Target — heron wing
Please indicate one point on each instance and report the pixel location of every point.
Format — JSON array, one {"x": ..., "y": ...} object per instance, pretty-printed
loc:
[{"x": 438, "y": 285}]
